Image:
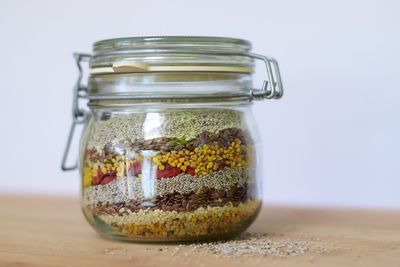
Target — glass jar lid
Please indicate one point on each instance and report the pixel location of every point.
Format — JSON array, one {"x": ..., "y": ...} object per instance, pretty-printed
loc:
[
  {"x": 169, "y": 66},
  {"x": 171, "y": 53}
]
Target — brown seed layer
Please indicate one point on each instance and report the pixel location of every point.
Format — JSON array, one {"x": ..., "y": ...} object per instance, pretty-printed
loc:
[
  {"x": 163, "y": 144},
  {"x": 177, "y": 202}
]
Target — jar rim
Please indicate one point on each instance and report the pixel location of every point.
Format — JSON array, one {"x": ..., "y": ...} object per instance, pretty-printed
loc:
[
  {"x": 172, "y": 39},
  {"x": 171, "y": 53}
]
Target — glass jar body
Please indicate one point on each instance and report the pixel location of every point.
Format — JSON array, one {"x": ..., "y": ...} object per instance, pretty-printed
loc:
[{"x": 171, "y": 171}]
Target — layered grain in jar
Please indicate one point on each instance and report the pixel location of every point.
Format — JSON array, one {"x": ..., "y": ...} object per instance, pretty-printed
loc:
[{"x": 169, "y": 175}]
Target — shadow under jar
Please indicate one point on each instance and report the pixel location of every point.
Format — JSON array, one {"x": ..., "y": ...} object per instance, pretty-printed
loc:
[{"x": 168, "y": 151}]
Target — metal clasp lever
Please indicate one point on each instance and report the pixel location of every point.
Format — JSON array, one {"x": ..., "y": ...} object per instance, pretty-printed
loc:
[
  {"x": 79, "y": 115},
  {"x": 272, "y": 88}
]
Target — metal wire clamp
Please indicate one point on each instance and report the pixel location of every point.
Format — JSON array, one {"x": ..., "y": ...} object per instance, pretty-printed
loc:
[{"x": 79, "y": 114}]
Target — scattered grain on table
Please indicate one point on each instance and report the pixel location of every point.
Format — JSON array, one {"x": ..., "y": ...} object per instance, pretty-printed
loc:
[{"x": 256, "y": 245}]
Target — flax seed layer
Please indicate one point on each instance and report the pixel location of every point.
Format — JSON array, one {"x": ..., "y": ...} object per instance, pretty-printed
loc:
[{"x": 202, "y": 222}]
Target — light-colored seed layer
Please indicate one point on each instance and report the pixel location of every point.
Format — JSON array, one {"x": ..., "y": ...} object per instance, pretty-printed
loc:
[
  {"x": 133, "y": 188},
  {"x": 201, "y": 222},
  {"x": 117, "y": 128},
  {"x": 183, "y": 124}
]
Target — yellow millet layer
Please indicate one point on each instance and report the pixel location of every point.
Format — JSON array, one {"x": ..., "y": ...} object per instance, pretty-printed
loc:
[
  {"x": 204, "y": 158},
  {"x": 201, "y": 222}
]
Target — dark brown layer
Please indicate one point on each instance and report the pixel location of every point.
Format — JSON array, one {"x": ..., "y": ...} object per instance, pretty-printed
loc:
[
  {"x": 164, "y": 145},
  {"x": 177, "y": 202}
]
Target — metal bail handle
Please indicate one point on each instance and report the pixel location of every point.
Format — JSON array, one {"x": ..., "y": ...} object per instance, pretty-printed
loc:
[
  {"x": 78, "y": 114},
  {"x": 272, "y": 87}
]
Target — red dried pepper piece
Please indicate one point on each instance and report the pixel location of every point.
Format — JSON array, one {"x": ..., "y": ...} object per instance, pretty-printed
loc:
[
  {"x": 136, "y": 167},
  {"x": 97, "y": 179},
  {"x": 103, "y": 178},
  {"x": 168, "y": 172},
  {"x": 100, "y": 173},
  {"x": 108, "y": 178},
  {"x": 190, "y": 171}
]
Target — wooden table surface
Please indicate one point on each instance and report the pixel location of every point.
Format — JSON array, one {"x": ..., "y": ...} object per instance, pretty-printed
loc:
[{"x": 53, "y": 232}]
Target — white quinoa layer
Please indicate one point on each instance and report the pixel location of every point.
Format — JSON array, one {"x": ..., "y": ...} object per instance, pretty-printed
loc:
[
  {"x": 182, "y": 124},
  {"x": 135, "y": 188}
]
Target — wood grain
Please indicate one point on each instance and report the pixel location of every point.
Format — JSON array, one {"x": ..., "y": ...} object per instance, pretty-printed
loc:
[{"x": 53, "y": 232}]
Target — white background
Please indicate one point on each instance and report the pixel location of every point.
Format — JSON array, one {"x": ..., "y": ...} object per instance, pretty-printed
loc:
[{"x": 334, "y": 139}]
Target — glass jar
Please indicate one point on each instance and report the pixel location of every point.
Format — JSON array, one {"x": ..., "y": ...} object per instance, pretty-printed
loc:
[{"x": 169, "y": 148}]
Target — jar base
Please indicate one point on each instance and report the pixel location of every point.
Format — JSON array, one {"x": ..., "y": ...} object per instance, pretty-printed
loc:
[{"x": 203, "y": 225}]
